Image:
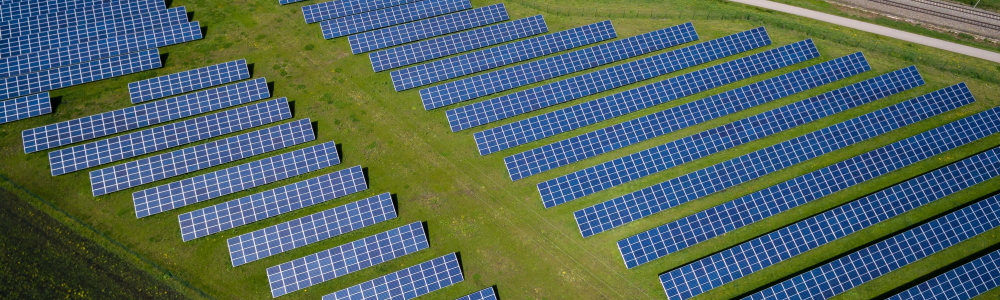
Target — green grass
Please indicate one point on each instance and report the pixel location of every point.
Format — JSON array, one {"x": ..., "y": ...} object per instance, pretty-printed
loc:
[{"x": 504, "y": 235}]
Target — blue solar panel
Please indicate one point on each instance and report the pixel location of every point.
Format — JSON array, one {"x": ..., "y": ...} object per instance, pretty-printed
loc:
[
  {"x": 618, "y": 136},
  {"x": 407, "y": 283},
  {"x": 306, "y": 230},
  {"x": 460, "y": 42},
  {"x": 965, "y": 282},
  {"x": 68, "y": 132},
  {"x": 271, "y": 203},
  {"x": 659, "y": 197},
  {"x": 762, "y": 252},
  {"x": 390, "y": 16},
  {"x": 187, "y": 160},
  {"x": 196, "y": 189},
  {"x": 864, "y": 265},
  {"x": 650, "y": 161},
  {"x": 91, "y": 32},
  {"x": 345, "y": 259},
  {"x": 183, "y": 82},
  {"x": 28, "y": 9},
  {"x": 484, "y": 294},
  {"x": 536, "y": 98},
  {"x": 718, "y": 220},
  {"x": 52, "y": 79},
  {"x": 501, "y": 55},
  {"x": 25, "y": 107},
  {"x": 415, "y": 31},
  {"x": 590, "y": 112},
  {"x": 78, "y": 17},
  {"x": 551, "y": 67},
  {"x": 340, "y": 8},
  {"x": 113, "y": 46}
]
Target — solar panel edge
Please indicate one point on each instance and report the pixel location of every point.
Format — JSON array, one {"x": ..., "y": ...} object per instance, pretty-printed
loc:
[
  {"x": 483, "y": 14},
  {"x": 43, "y": 106}
]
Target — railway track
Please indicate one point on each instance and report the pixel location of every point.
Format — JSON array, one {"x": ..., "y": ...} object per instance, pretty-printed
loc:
[{"x": 946, "y": 6}]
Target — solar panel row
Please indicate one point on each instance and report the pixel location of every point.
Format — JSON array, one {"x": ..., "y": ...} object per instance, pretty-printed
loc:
[
  {"x": 965, "y": 282},
  {"x": 500, "y": 55},
  {"x": 52, "y": 79},
  {"x": 25, "y": 107},
  {"x": 345, "y": 259},
  {"x": 724, "y": 218},
  {"x": 28, "y": 9},
  {"x": 306, "y": 230},
  {"x": 659, "y": 197},
  {"x": 390, "y": 16},
  {"x": 555, "y": 66},
  {"x": 536, "y": 98},
  {"x": 864, "y": 265},
  {"x": 484, "y": 294},
  {"x": 167, "y": 136},
  {"x": 762, "y": 252},
  {"x": 624, "y": 134},
  {"x": 339, "y": 8},
  {"x": 590, "y": 112},
  {"x": 199, "y": 157},
  {"x": 90, "y": 127},
  {"x": 460, "y": 42},
  {"x": 407, "y": 283},
  {"x": 271, "y": 203},
  {"x": 50, "y": 22},
  {"x": 415, "y": 31},
  {"x": 186, "y": 81}
]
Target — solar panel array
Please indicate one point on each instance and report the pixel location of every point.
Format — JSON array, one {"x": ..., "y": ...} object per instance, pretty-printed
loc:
[
  {"x": 271, "y": 203},
  {"x": 345, "y": 259},
  {"x": 757, "y": 254},
  {"x": 28, "y": 9},
  {"x": 889, "y": 255},
  {"x": 187, "y": 160},
  {"x": 536, "y": 98},
  {"x": 555, "y": 66},
  {"x": 340, "y": 8},
  {"x": 296, "y": 233},
  {"x": 724, "y": 218},
  {"x": 616, "y": 212},
  {"x": 25, "y": 107},
  {"x": 501, "y": 55},
  {"x": 965, "y": 282},
  {"x": 618, "y": 136},
  {"x": 407, "y": 283},
  {"x": 390, "y": 16},
  {"x": 484, "y": 294},
  {"x": 415, "y": 31},
  {"x": 78, "y": 74},
  {"x": 456, "y": 43},
  {"x": 590, "y": 112},
  {"x": 90, "y": 127},
  {"x": 83, "y": 17},
  {"x": 183, "y": 82},
  {"x": 167, "y": 136}
]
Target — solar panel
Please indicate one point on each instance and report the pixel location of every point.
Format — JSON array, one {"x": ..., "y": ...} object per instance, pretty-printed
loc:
[
  {"x": 590, "y": 112},
  {"x": 108, "y": 123},
  {"x": 536, "y": 98},
  {"x": 724, "y": 218},
  {"x": 888, "y": 255},
  {"x": 52, "y": 79},
  {"x": 113, "y": 46},
  {"x": 28, "y": 9},
  {"x": 345, "y": 259},
  {"x": 659, "y": 197},
  {"x": 650, "y": 161},
  {"x": 25, "y": 107},
  {"x": 555, "y": 66},
  {"x": 183, "y": 82},
  {"x": 415, "y": 31},
  {"x": 780, "y": 245},
  {"x": 271, "y": 203},
  {"x": 390, "y": 16},
  {"x": 619, "y": 136},
  {"x": 91, "y": 32},
  {"x": 965, "y": 282},
  {"x": 407, "y": 283},
  {"x": 456, "y": 43},
  {"x": 340, "y": 8},
  {"x": 500, "y": 55},
  {"x": 200, "y": 188},
  {"x": 79, "y": 17},
  {"x": 484, "y": 294},
  {"x": 187, "y": 160},
  {"x": 306, "y": 230}
]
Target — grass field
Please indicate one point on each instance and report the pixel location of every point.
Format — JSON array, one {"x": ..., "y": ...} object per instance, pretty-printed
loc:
[{"x": 504, "y": 235}]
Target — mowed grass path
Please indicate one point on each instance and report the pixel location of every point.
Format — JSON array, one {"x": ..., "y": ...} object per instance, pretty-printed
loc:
[{"x": 500, "y": 229}]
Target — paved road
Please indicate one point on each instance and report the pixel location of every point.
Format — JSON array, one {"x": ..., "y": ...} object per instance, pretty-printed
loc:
[{"x": 876, "y": 29}]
